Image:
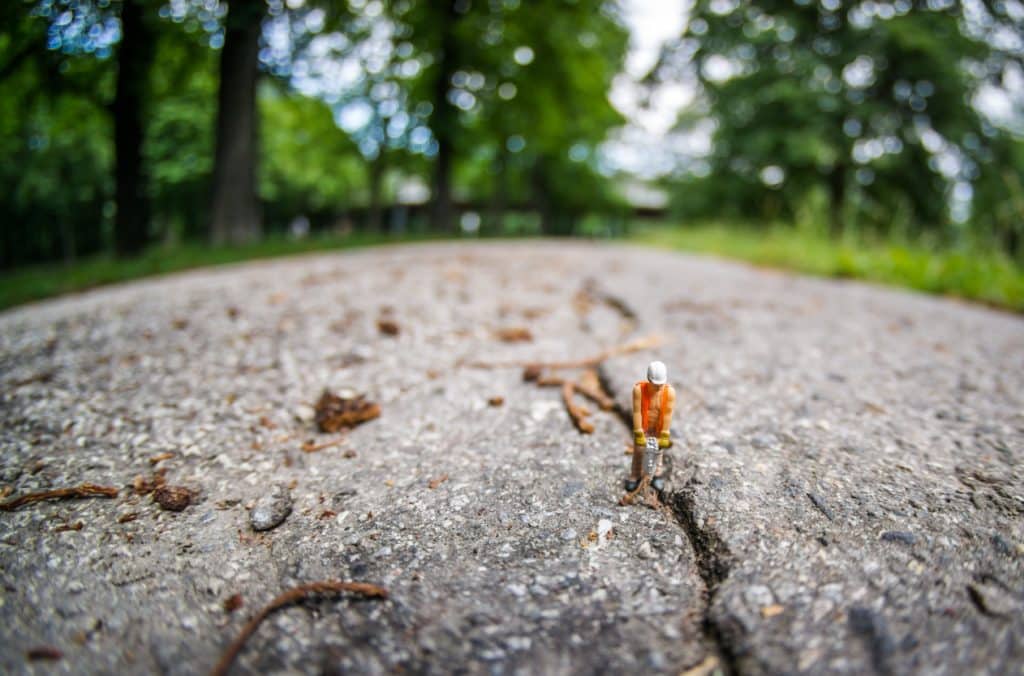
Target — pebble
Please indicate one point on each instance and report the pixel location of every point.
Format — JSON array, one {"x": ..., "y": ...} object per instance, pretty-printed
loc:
[
  {"x": 173, "y": 498},
  {"x": 645, "y": 551},
  {"x": 903, "y": 536},
  {"x": 271, "y": 509}
]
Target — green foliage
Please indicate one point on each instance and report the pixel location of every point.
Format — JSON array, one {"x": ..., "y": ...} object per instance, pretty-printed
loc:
[
  {"x": 308, "y": 165},
  {"x": 869, "y": 103},
  {"x": 179, "y": 133},
  {"x": 42, "y": 281},
  {"x": 982, "y": 274},
  {"x": 53, "y": 132}
]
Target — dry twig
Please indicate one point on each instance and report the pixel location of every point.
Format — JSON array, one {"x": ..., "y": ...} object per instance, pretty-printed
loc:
[
  {"x": 294, "y": 595},
  {"x": 82, "y": 491},
  {"x": 590, "y": 386},
  {"x": 645, "y": 343},
  {"x": 578, "y": 414},
  {"x": 514, "y": 334},
  {"x": 310, "y": 446}
]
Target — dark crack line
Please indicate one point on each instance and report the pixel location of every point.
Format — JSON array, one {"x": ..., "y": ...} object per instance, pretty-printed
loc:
[{"x": 712, "y": 555}]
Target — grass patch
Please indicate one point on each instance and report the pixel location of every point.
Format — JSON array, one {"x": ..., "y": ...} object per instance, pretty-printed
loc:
[
  {"x": 988, "y": 277},
  {"x": 36, "y": 282}
]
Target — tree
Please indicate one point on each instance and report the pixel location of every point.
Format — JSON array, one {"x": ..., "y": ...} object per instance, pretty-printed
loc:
[
  {"x": 864, "y": 103},
  {"x": 134, "y": 59},
  {"x": 518, "y": 94},
  {"x": 235, "y": 210}
]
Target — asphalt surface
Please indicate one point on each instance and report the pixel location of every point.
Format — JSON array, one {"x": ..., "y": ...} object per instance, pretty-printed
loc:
[{"x": 847, "y": 493}]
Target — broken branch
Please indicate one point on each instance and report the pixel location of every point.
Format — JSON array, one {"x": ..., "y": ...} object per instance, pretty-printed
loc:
[
  {"x": 299, "y": 593},
  {"x": 82, "y": 491},
  {"x": 310, "y": 446},
  {"x": 589, "y": 385},
  {"x": 578, "y": 414},
  {"x": 637, "y": 345}
]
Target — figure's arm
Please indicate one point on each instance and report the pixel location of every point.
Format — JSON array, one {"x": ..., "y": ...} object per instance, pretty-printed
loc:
[
  {"x": 638, "y": 425},
  {"x": 665, "y": 439}
]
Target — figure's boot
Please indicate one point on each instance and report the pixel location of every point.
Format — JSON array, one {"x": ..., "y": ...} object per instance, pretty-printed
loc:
[
  {"x": 636, "y": 469},
  {"x": 658, "y": 477}
]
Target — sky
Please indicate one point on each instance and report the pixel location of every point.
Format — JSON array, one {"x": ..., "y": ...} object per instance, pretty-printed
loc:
[{"x": 643, "y": 147}]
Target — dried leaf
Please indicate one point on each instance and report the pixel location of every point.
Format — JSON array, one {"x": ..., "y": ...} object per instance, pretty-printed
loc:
[
  {"x": 388, "y": 327},
  {"x": 44, "y": 652},
  {"x": 232, "y": 603},
  {"x": 334, "y": 413},
  {"x": 514, "y": 334},
  {"x": 173, "y": 498}
]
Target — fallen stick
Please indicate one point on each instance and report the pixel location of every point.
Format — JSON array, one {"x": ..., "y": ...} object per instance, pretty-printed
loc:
[
  {"x": 578, "y": 414},
  {"x": 299, "y": 593},
  {"x": 311, "y": 446},
  {"x": 82, "y": 491},
  {"x": 645, "y": 343},
  {"x": 589, "y": 385},
  {"x": 643, "y": 490}
]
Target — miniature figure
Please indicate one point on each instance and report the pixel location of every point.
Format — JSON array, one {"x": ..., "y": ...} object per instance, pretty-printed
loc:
[{"x": 653, "y": 403}]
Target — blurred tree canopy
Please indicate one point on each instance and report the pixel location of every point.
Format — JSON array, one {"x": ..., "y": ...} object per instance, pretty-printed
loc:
[
  {"x": 860, "y": 114},
  {"x": 129, "y": 122}
]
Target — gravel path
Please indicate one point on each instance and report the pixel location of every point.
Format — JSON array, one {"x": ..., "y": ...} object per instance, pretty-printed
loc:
[{"x": 847, "y": 494}]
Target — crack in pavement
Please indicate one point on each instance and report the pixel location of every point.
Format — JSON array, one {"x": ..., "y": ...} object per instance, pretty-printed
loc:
[{"x": 714, "y": 560}]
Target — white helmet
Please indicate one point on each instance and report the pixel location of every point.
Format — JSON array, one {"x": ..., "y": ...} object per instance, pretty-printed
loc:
[{"x": 657, "y": 373}]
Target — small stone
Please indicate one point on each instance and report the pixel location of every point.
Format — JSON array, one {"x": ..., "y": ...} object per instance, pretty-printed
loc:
[
  {"x": 271, "y": 509},
  {"x": 173, "y": 498},
  {"x": 758, "y": 596},
  {"x": 517, "y": 589},
  {"x": 822, "y": 506},
  {"x": 571, "y": 488},
  {"x": 645, "y": 551},
  {"x": 905, "y": 537},
  {"x": 304, "y": 413},
  {"x": 991, "y": 599},
  {"x": 1001, "y": 545}
]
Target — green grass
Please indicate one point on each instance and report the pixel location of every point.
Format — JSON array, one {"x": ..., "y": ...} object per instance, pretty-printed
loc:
[
  {"x": 36, "y": 282},
  {"x": 984, "y": 276},
  {"x": 988, "y": 277}
]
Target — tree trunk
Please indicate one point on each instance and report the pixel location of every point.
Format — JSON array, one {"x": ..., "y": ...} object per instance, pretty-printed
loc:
[
  {"x": 134, "y": 58},
  {"x": 236, "y": 216},
  {"x": 444, "y": 122},
  {"x": 374, "y": 219},
  {"x": 499, "y": 198},
  {"x": 837, "y": 199}
]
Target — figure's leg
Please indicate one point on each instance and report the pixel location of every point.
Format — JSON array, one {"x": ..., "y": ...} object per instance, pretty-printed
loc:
[
  {"x": 657, "y": 480},
  {"x": 635, "y": 470}
]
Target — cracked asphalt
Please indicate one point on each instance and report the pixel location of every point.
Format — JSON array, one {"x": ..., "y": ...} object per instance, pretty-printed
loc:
[{"x": 846, "y": 496}]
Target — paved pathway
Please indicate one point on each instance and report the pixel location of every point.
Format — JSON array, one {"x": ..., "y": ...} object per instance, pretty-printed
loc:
[{"x": 847, "y": 494}]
